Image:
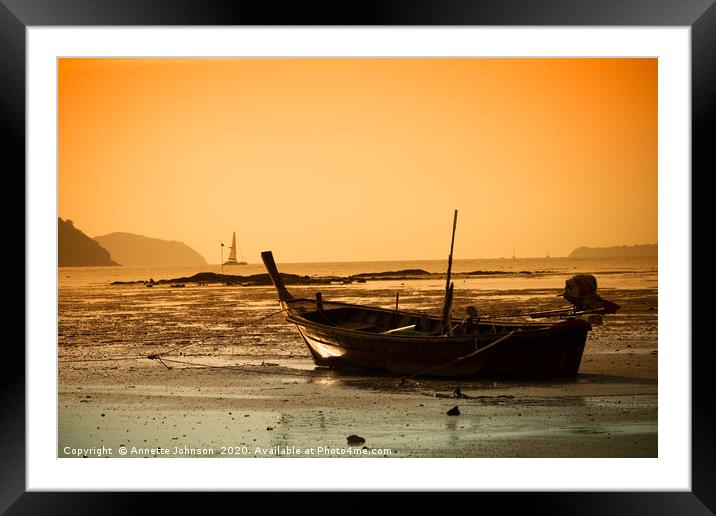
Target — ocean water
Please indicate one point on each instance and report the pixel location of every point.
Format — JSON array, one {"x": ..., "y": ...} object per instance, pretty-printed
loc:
[{"x": 633, "y": 270}]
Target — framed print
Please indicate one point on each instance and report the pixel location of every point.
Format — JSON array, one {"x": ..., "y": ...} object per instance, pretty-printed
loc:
[{"x": 251, "y": 210}]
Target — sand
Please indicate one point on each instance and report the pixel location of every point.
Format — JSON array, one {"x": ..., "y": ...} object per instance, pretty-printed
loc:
[{"x": 253, "y": 391}]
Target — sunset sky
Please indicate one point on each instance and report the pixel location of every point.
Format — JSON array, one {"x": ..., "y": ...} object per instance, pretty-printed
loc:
[{"x": 362, "y": 159}]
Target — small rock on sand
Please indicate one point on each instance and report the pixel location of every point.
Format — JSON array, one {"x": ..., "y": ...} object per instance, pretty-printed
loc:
[
  {"x": 453, "y": 412},
  {"x": 355, "y": 439}
]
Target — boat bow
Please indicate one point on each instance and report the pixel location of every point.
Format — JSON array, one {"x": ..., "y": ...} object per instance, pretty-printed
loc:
[{"x": 283, "y": 294}]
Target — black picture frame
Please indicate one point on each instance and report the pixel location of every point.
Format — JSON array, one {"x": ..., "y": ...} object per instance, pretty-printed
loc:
[{"x": 699, "y": 15}]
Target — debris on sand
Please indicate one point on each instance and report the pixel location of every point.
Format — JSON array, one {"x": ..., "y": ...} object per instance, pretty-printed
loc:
[
  {"x": 453, "y": 412},
  {"x": 457, "y": 393},
  {"x": 355, "y": 440}
]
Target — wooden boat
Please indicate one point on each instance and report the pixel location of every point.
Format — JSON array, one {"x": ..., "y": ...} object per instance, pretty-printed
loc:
[{"x": 343, "y": 335}]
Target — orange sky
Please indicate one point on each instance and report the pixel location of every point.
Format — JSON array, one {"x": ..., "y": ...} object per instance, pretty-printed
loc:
[{"x": 362, "y": 159}]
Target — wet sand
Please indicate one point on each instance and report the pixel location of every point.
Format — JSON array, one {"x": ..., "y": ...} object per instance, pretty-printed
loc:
[
  {"x": 609, "y": 411},
  {"x": 252, "y": 391}
]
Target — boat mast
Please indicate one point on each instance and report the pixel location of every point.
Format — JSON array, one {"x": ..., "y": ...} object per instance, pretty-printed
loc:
[{"x": 448, "y": 285}]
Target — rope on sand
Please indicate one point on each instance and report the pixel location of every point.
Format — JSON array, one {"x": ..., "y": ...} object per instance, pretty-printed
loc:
[
  {"x": 239, "y": 368},
  {"x": 110, "y": 359},
  {"x": 157, "y": 356}
]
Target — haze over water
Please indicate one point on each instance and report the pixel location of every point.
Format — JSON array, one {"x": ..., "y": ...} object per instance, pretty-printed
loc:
[{"x": 631, "y": 271}]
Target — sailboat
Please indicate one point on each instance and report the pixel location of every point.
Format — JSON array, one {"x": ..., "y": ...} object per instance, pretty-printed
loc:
[{"x": 232, "y": 254}]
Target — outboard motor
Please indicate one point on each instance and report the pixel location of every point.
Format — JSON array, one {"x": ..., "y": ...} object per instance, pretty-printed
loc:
[{"x": 581, "y": 291}]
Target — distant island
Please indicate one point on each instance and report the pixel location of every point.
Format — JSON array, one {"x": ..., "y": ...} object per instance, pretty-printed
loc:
[
  {"x": 621, "y": 251},
  {"x": 131, "y": 249},
  {"x": 75, "y": 249}
]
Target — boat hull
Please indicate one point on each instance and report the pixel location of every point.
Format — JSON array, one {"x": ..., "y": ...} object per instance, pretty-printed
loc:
[
  {"x": 553, "y": 353},
  {"x": 343, "y": 335}
]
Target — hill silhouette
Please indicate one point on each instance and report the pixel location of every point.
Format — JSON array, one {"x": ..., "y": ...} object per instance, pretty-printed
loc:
[
  {"x": 621, "y": 251},
  {"x": 75, "y": 249},
  {"x": 131, "y": 249}
]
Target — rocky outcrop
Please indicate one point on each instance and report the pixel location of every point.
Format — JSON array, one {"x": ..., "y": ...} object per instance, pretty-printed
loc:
[{"x": 75, "y": 249}]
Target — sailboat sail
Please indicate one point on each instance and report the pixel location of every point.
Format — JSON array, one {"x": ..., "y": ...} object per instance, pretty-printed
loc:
[{"x": 232, "y": 254}]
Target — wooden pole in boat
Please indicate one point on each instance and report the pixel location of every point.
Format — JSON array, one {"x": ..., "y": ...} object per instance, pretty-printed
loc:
[
  {"x": 319, "y": 301},
  {"x": 395, "y": 314},
  {"x": 445, "y": 325},
  {"x": 452, "y": 245},
  {"x": 448, "y": 289}
]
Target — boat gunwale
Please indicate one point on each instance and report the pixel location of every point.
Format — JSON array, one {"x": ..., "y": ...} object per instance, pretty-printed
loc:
[{"x": 524, "y": 329}]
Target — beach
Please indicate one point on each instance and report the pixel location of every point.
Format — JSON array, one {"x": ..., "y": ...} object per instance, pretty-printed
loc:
[{"x": 232, "y": 385}]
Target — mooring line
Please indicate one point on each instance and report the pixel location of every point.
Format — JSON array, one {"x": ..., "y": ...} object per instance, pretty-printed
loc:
[
  {"x": 310, "y": 374},
  {"x": 469, "y": 355}
]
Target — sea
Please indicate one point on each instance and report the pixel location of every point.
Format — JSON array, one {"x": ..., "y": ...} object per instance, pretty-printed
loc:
[{"x": 637, "y": 272}]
